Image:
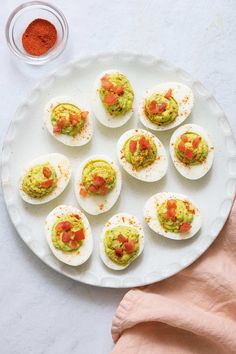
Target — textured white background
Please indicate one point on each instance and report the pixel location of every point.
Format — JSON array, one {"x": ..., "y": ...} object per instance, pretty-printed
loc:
[{"x": 40, "y": 310}]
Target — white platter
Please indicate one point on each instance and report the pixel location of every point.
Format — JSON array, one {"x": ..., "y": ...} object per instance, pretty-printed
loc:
[{"x": 214, "y": 193}]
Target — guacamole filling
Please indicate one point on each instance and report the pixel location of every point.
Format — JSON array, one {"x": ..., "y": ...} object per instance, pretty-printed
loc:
[
  {"x": 191, "y": 149},
  {"x": 68, "y": 233},
  {"x": 98, "y": 178},
  {"x": 161, "y": 108},
  {"x": 116, "y": 94},
  {"x": 68, "y": 119},
  {"x": 175, "y": 215},
  {"x": 140, "y": 151},
  {"x": 40, "y": 181},
  {"x": 121, "y": 244}
]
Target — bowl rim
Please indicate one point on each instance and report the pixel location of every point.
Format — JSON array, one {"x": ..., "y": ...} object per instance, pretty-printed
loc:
[{"x": 51, "y": 54}]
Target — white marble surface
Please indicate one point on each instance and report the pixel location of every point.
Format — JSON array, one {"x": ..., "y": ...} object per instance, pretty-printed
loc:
[{"x": 40, "y": 310}]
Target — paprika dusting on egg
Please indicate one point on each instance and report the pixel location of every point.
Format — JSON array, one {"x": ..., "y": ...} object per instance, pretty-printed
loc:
[{"x": 39, "y": 37}]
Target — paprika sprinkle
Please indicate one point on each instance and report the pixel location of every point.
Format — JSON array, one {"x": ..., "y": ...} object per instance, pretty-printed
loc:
[{"x": 39, "y": 37}]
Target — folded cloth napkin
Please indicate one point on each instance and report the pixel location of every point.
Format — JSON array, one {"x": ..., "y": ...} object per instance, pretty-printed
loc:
[{"x": 191, "y": 312}]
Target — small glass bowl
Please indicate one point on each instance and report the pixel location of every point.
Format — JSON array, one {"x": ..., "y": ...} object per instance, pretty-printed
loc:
[{"x": 19, "y": 20}]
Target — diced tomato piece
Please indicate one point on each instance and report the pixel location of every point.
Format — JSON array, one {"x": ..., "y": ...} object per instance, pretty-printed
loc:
[
  {"x": 93, "y": 188},
  {"x": 66, "y": 236},
  {"x": 171, "y": 203},
  {"x": 189, "y": 154},
  {"x": 79, "y": 235},
  {"x": 118, "y": 251},
  {"x": 98, "y": 180},
  {"x": 162, "y": 107},
  {"x": 144, "y": 143},
  {"x": 84, "y": 114},
  {"x": 122, "y": 238},
  {"x": 56, "y": 129},
  {"x": 129, "y": 246},
  {"x": 83, "y": 192},
  {"x": 171, "y": 213},
  {"x": 73, "y": 244},
  {"x": 48, "y": 183},
  {"x": 64, "y": 225},
  {"x": 105, "y": 77},
  {"x": 74, "y": 119},
  {"x": 184, "y": 138},
  {"x": 181, "y": 146},
  {"x": 106, "y": 84},
  {"x": 47, "y": 172},
  {"x": 132, "y": 146},
  {"x": 196, "y": 142},
  {"x": 103, "y": 190},
  {"x": 185, "y": 227},
  {"x": 119, "y": 90},
  {"x": 61, "y": 123},
  {"x": 168, "y": 94},
  {"x": 110, "y": 99},
  {"x": 152, "y": 106}
]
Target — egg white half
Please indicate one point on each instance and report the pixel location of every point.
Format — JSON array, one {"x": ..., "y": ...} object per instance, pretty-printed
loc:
[
  {"x": 100, "y": 112},
  {"x": 62, "y": 166},
  {"x": 121, "y": 219},
  {"x": 150, "y": 215},
  {"x": 98, "y": 204},
  {"x": 195, "y": 171},
  {"x": 70, "y": 258},
  {"x": 151, "y": 173},
  {"x": 80, "y": 139},
  {"x": 183, "y": 96}
]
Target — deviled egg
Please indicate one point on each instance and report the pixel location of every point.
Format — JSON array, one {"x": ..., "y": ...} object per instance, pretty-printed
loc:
[
  {"x": 113, "y": 98},
  {"x": 44, "y": 178},
  {"x": 97, "y": 184},
  {"x": 166, "y": 106},
  {"x": 192, "y": 151},
  {"x": 69, "y": 235},
  {"x": 67, "y": 122},
  {"x": 121, "y": 242},
  {"x": 172, "y": 215},
  {"x": 142, "y": 155}
]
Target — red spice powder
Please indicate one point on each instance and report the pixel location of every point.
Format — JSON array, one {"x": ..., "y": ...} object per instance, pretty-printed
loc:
[{"x": 39, "y": 37}]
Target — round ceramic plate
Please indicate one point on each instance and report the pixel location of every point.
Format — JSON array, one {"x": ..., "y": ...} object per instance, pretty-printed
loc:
[{"x": 214, "y": 193}]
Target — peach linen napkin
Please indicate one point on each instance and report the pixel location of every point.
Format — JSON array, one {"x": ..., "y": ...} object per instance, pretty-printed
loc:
[{"x": 191, "y": 312}]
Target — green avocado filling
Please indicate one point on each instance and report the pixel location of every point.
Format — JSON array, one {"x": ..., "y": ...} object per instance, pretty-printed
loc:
[
  {"x": 161, "y": 110},
  {"x": 67, "y": 119},
  {"x": 191, "y": 149},
  {"x": 98, "y": 177},
  {"x": 116, "y": 94},
  {"x": 140, "y": 151},
  {"x": 175, "y": 215},
  {"x": 40, "y": 181},
  {"x": 121, "y": 244},
  {"x": 68, "y": 233}
]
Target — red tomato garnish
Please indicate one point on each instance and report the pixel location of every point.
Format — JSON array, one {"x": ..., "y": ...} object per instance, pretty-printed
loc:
[
  {"x": 185, "y": 227},
  {"x": 61, "y": 123},
  {"x": 64, "y": 225},
  {"x": 110, "y": 99},
  {"x": 189, "y": 154},
  {"x": 106, "y": 84},
  {"x": 73, "y": 244},
  {"x": 84, "y": 114},
  {"x": 47, "y": 172},
  {"x": 118, "y": 89},
  {"x": 83, "y": 192},
  {"x": 129, "y": 246},
  {"x": 105, "y": 77},
  {"x": 98, "y": 180},
  {"x": 118, "y": 251},
  {"x": 152, "y": 107},
  {"x": 74, "y": 119},
  {"x": 79, "y": 235},
  {"x": 144, "y": 143},
  {"x": 122, "y": 238},
  {"x": 168, "y": 94},
  {"x": 162, "y": 107},
  {"x": 48, "y": 183},
  {"x": 103, "y": 190},
  {"x": 171, "y": 214},
  {"x": 93, "y": 188},
  {"x": 66, "y": 236},
  {"x": 184, "y": 138},
  {"x": 132, "y": 146},
  {"x": 171, "y": 203},
  {"x": 56, "y": 129},
  {"x": 196, "y": 142},
  {"x": 181, "y": 146}
]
